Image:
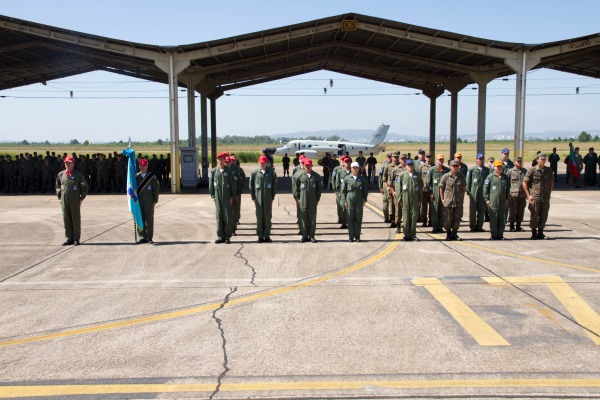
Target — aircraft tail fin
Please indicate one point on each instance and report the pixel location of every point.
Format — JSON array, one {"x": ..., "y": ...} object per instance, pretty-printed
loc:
[{"x": 379, "y": 135}]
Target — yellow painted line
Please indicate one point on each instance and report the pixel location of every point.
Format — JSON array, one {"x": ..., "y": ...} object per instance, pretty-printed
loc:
[
  {"x": 573, "y": 303},
  {"x": 208, "y": 307},
  {"x": 522, "y": 257},
  {"x": 73, "y": 390},
  {"x": 484, "y": 334}
]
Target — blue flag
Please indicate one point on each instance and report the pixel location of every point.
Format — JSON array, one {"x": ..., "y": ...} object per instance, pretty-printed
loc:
[{"x": 134, "y": 204}]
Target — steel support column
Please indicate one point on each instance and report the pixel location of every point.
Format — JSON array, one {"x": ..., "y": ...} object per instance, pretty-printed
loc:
[
  {"x": 482, "y": 81},
  {"x": 204, "y": 135},
  {"x": 453, "y": 123},
  {"x": 191, "y": 103},
  {"x": 213, "y": 131},
  {"x": 521, "y": 66},
  {"x": 433, "y": 93}
]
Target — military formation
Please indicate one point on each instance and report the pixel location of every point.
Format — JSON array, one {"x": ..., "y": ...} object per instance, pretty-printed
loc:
[
  {"x": 421, "y": 190},
  {"x": 35, "y": 173}
]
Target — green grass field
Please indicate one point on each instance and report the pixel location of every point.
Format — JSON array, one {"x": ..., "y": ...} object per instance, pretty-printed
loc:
[{"x": 249, "y": 153}]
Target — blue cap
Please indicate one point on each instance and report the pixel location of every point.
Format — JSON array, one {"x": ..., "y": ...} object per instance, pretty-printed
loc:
[
  {"x": 505, "y": 150},
  {"x": 410, "y": 161},
  {"x": 479, "y": 156}
]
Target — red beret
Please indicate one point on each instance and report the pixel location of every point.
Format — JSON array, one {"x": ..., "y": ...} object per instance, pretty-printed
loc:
[
  {"x": 143, "y": 161},
  {"x": 307, "y": 161},
  {"x": 347, "y": 159},
  {"x": 68, "y": 159},
  {"x": 222, "y": 155},
  {"x": 227, "y": 159},
  {"x": 263, "y": 159},
  {"x": 233, "y": 158}
]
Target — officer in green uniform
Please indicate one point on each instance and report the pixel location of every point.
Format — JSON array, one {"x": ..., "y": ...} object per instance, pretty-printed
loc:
[
  {"x": 538, "y": 184},
  {"x": 476, "y": 176},
  {"x": 147, "y": 191},
  {"x": 508, "y": 164},
  {"x": 462, "y": 168},
  {"x": 409, "y": 191},
  {"x": 263, "y": 187},
  {"x": 554, "y": 159},
  {"x": 452, "y": 193},
  {"x": 71, "y": 189},
  {"x": 383, "y": 188},
  {"x": 239, "y": 177},
  {"x": 517, "y": 199},
  {"x": 354, "y": 196},
  {"x": 338, "y": 203},
  {"x": 400, "y": 168},
  {"x": 389, "y": 181},
  {"x": 342, "y": 173},
  {"x": 434, "y": 177},
  {"x": 297, "y": 170},
  {"x": 425, "y": 202},
  {"x": 222, "y": 190},
  {"x": 495, "y": 192},
  {"x": 307, "y": 192}
]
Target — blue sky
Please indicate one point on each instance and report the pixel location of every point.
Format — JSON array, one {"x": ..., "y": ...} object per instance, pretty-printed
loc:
[{"x": 365, "y": 104}]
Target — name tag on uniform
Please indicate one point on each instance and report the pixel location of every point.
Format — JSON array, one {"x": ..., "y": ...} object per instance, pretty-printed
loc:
[
  {"x": 224, "y": 173},
  {"x": 149, "y": 187},
  {"x": 74, "y": 187},
  {"x": 216, "y": 184},
  {"x": 268, "y": 186},
  {"x": 417, "y": 187},
  {"x": 404, "y": 187},
  {"x": 435, "y": 181},
  {"x": 72, "y": 178},
  {"x": 398, "y": 179},
  {"x": 302, "y": 186},
  {"x": 474, "y": 180},
  {"x": 257, "y": 186},
  {"x": 493, "y": 187}
]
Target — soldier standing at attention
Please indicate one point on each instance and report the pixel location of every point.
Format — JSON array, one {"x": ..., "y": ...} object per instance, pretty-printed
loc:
[
  {"x": 517, "y": 199},
  {"x": 333, "y": 165},
  {"x": 103, "y": 180},
  {"x": 71, "y": 189},
  {"x": 240, "y": 178},
  {"x": 362, "y": 162},
  {"x": 336, "y": 170},
  {"x": 590, "y": 160},
  {"x": 462, "y": 168},
  {"x": 222, "y": 190},
  {"x": 285, "y": 161},
  {"x": 554, "y": 159},
  {"x": 496, "y": 192},
  {"x": 263, "y": 187},
  {"x": 425, "y": 203},
  {"x": 122, "y": 174},
  {"x": 538, "y": 184},
  {"x": 388, "y": 178},
  {"x": 297, "y": 170},
  {"x": 505, "y": 160},
  {"x": 409, "y": 191},
  {"x": 395, "y": 176},
  {"x": 307, "y": 192},
  {"x": 354, "y": 196},
  {"x": 452, "y": 194},
  {"x": 477, "y": 204},
  {"x": 342, "y": 173},
  {"x": 148, "y": 189},
  {"x": 383, "y": 188},
  {"x": 434, "y": 177},
  {"x": 47, "y": 177},
  {"x": 324, "y": 162}
]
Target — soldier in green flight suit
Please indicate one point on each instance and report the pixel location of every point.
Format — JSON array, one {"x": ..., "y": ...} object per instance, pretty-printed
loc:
[
  {"x": 342, "y": 173},
  {"x": 538, "y": 184},
  {"x": 389, "y": 182},
  {"x": 398, "y": 169},
  {"x": 263, "y": 187},
  {"x": 408, "y": 189},
  {"x": 71, "y": 189},
  {"x": 338, "y": 203},
  {"x": 496, "y": 191},
  {"x": 383, "y": 188},
  {"x": 434, "y": 177},
  {"x": 239, "y": 177},
  {"x": 476, "y": 176},
  {"x": 147, "y": 191},
  {"x": 462, "y": 168},
  {"x": 297, "y": 170},
  {"x": 517, "y": 199},
  {"x": 222, "y": 190},
  {"x": 307, "y": 192},
  {"x": 354, "y": 196}
]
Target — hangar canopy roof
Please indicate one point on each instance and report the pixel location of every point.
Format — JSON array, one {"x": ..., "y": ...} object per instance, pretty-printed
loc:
[{"x": 352, "y": 44}]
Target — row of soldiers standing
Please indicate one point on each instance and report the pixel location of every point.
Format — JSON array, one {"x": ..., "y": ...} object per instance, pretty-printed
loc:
[
  {"x": 501, "y": 191},
  {"x": 30, "y": 173}
]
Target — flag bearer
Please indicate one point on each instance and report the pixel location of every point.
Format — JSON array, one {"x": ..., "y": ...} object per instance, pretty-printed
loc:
[
  {"x": 147, "y": 191},
  {"x": 496, "y": 190}
]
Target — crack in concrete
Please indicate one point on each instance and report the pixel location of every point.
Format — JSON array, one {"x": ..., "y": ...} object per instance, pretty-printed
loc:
[
  {"x": 287, "y": 211},
  {"x": 239, "y": 255},
  {"x": 219, "y": 322}
]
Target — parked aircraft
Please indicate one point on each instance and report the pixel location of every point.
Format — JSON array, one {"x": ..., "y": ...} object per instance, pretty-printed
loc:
[{"x": 318, "y": 148}]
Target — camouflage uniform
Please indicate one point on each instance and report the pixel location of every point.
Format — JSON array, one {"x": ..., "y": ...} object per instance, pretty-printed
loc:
[
  {"x": 517, "y": 199},
  {"x": 540, "y": 182},
  {"x": 453, "y": 187}
]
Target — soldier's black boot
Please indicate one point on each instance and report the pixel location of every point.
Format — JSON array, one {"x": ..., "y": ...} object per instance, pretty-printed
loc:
[
  {"x": 448, "y": 235},
  {"x": 534, "y": 234},
  {"x": 455, "y": 235},
  {"x": 512, "y": 227},
  {"x": 541, "y": 234},
  {"x": 519, "y": 229}
]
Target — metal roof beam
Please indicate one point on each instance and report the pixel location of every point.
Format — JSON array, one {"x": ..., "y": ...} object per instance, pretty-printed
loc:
[
  {"x": 17, "y": 46},
  {"x": 566, "y": 48}
]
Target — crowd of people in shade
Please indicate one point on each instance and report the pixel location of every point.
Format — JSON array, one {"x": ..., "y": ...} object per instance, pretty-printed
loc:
[{"x": 36, "y": 173}]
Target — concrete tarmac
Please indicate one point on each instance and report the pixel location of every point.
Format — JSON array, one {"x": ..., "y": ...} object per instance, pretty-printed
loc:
[{"x": 187, "y": 318}]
